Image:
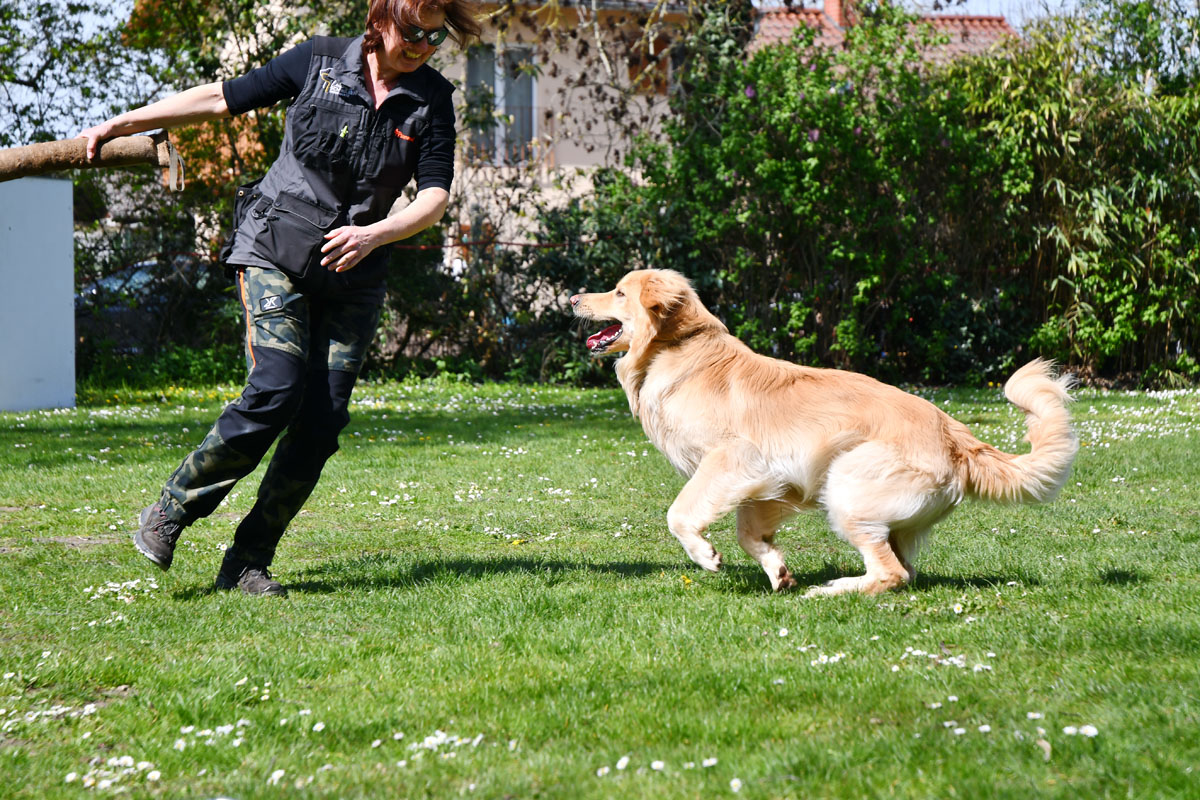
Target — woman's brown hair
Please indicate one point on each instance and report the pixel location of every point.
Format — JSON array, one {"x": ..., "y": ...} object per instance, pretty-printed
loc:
[{"x": 400, "y": 14}]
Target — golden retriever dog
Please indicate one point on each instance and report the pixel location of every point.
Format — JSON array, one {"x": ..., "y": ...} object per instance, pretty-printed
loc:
[{"x": 769, "y": 438}]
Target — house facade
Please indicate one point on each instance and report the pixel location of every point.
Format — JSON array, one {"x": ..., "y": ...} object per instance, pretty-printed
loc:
[
  {"x": 556, "y": 85},
  {"x": 541, "y": 88}
]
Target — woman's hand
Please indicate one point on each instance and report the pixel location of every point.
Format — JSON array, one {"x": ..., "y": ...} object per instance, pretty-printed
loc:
[
  {"x": 346, "y": 246},
  {"x": 95, "y": 135},
  {"x": 198, "y": 104}
]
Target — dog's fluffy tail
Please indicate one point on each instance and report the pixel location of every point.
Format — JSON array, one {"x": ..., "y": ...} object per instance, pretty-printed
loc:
[{"x": 1036, "y": 476}]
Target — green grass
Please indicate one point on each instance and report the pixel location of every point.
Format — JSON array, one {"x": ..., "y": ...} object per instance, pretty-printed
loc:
[{"x": 487, "y": 571}]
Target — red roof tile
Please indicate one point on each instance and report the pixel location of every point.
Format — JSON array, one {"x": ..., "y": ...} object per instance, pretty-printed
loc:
[
  {"x": 968, "y": 34},
  {"x": 775, "y": 26}
]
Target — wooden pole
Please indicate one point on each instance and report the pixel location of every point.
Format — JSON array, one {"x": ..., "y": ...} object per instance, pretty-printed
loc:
[{"x": 124, "y": 151}]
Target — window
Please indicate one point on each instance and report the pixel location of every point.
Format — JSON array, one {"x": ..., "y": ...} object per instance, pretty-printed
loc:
[{"x": 500, "y": 100}]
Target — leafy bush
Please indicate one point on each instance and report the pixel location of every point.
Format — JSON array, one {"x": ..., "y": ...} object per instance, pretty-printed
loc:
[
  {"x": 834, "y": 206},
  {"x": 860, "y": 208},
  {"x": 1099, "y": 116}
]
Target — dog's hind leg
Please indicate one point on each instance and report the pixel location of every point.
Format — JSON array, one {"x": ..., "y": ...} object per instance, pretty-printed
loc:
[
  {"x": 883, "y": 507},
  {"x": 884, "y": 569},
  {"x": 757, "y": 522},
  {"x": 906, "y": 543},
  {"x": 716, "y": 488}
]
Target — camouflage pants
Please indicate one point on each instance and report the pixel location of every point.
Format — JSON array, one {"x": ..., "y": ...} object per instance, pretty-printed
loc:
[{"x": 303, "y": 355}]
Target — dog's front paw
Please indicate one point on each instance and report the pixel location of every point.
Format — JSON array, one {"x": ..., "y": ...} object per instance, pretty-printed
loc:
[
  {"x": 710, "y": 561},
  {"x": 784, "y": 581}
]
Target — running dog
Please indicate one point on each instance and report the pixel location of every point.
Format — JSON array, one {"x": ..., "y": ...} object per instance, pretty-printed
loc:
[{"x": 770, "y": 438}]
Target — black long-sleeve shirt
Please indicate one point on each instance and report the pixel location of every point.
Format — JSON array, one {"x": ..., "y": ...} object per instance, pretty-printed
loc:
[{"x": 284, "y": 76}]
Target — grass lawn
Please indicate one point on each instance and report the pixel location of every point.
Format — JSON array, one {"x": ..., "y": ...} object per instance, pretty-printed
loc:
[{"x": 485, "y": 602}]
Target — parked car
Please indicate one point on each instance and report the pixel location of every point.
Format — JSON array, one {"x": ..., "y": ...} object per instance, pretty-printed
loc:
[{"x": 128, "y": 309}]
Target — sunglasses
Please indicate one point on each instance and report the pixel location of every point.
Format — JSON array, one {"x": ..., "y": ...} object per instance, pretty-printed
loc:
[{"x": 413, "y": 34}]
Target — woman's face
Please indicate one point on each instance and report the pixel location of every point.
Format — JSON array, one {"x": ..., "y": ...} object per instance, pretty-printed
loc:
[{"x": 395, "y": 54}]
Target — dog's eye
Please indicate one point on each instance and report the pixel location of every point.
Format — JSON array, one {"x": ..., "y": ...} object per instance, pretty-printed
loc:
[{"x": 620, "y": 293}]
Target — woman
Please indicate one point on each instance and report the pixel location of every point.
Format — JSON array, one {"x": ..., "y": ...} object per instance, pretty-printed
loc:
[{"x": 367, "y": 115}]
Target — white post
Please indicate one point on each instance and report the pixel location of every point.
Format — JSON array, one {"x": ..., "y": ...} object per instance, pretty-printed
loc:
[{"x": 37, "y": 291}]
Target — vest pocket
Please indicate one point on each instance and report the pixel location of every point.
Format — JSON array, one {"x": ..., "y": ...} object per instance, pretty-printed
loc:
[
  {"x": 247, "y": 195},
  {"x": 323, "y": 137},
  {"x": 293, "y": 234}
]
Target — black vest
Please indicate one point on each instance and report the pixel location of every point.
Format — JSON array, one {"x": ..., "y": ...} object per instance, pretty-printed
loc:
[{"x": 342, "y": 162}]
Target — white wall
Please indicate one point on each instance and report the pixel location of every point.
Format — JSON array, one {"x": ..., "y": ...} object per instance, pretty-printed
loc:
[{"x": 37, "y": 291}]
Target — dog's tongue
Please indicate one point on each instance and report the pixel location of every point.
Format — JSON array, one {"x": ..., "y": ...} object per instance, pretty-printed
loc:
[{"x": 603, "y": 336}]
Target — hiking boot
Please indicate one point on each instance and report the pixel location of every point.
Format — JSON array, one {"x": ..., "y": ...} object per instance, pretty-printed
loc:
[
  {"x": 250, "y": 578},
  {"x": 156, "y": 536}
]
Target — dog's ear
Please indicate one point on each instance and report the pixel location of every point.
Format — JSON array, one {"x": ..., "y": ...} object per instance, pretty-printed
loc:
[
  {"x": 663, "y": 291},
  {"x": 660, "y": 294}
]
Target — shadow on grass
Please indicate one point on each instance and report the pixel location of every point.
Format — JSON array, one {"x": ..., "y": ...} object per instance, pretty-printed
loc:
[
  {"x": 1121, "y": 577},
  {"x": 381, "y": 571}
]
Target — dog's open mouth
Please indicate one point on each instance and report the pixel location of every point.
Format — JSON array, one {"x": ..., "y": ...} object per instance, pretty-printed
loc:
[{"x": 599, "y": 342}]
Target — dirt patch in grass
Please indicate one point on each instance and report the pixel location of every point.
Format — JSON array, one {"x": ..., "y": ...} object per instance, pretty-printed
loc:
[{"x": 74, "y": 542}]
